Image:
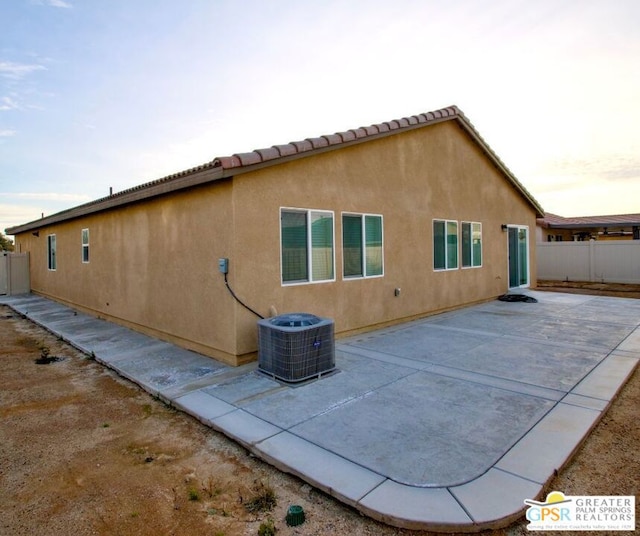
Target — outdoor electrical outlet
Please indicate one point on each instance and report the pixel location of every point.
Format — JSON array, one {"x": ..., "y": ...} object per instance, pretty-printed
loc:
[{"x": 223, "y": 266}]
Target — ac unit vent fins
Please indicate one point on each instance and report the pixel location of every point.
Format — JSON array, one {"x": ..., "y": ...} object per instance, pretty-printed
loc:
[{"x": 295, "y": 347}]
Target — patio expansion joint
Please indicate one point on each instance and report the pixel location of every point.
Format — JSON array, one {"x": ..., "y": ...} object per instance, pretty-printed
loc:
[
  {"x": 445, "y": 370},
  {"x": 564, "y": 425},
  {"x": 585, "y": 401},
  {"x": 515, "y": 475},
  {"x": 242, "y": 402},
  {"x": 632, "y": 340},
  {"x": 384, "y": 357},
  {"x": 331, "y": 453},
  {"x": 336, "y": 475},
  {"x": 505, "y": 384},
  {"x": 627, "y": 353},
  {"x": 524, "y": 338},
  {"x": 588, "y": 373},
  {"x": 337, "y": 405},
  {"x": 556, "y": 344},
  {"x": 460, "y": 503},
  {"x": 483, "y": 333}
]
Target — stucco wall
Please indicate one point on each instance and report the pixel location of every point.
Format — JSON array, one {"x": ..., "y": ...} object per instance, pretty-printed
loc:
[
  {"x": 153, "y": 264},
  {"x": 153, "y": 267},
  {"x": 410, "y": 178}
]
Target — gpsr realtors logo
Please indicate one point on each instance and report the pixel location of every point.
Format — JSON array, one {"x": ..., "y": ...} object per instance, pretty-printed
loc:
[{"x": 582, "y": 512}]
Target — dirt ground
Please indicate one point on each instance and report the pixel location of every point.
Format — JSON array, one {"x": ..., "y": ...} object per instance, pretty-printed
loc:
[
  {"x": 617, "y": 290},
  {"x": 83, "y": 451}
]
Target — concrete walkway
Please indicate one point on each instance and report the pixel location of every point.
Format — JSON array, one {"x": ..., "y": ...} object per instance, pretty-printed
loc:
[{"x": 446, "y": 423}]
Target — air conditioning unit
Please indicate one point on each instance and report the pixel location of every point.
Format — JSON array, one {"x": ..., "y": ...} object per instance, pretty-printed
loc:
[{"x": 296, "y": 347}]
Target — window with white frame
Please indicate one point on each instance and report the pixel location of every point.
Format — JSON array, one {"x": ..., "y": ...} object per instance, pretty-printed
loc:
[
  {"x": 306, "y": 240},
  {"x": 51, "y": 252},
  {"x": 445, "y": 245},
  {"x": 362, "y": 245},
  {"x": 85, "y": 245},
  {"x": 471, "y": 244}
]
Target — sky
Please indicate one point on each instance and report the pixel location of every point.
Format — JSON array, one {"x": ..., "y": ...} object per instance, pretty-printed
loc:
[{"x": 99, "y": 94}]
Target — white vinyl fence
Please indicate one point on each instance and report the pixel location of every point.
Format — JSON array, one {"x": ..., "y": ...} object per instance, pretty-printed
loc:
[
  {"x": 14, "y": 273},
  {"x": 604, "y": 261}
]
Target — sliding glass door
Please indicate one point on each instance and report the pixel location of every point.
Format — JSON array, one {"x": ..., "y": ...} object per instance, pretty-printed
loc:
[{"x": 518, "y": 256}]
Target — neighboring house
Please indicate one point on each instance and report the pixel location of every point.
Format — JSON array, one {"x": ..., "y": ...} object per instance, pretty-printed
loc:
[
  {"x": 370, "y": 227},
  {"x": 553, "y": 228}
]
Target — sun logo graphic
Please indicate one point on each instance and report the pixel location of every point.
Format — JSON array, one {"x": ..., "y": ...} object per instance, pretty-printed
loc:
[{"x": 549, "y": 511}]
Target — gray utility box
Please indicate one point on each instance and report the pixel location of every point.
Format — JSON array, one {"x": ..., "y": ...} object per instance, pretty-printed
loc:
[{"x": 295, "y": 347}]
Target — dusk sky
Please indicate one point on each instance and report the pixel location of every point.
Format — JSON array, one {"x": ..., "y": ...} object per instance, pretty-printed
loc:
[{"x": 115, "y": 93}]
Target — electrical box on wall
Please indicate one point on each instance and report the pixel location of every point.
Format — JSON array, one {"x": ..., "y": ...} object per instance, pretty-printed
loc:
[{"x": 223, "y": 265}]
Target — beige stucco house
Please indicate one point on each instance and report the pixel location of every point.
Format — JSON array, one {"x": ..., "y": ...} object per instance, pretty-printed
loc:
[{"x": 369, "y": 227}]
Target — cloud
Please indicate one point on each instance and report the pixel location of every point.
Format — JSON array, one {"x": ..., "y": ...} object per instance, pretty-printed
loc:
[
  {"x": 12, "y": 215},
  {"x": 17, "y": 208},
  {"x": 7, "y": 103},
  {"x": 7, "y": 132},
  {"x": 59, "y": 3},
  {"x": 605, "y": 166},
  {"x": 591, "y": 199},
  {"x": 53, "y": 3},
  {"x": 46, "y": 196},
  {"x": 17, "y": 71}
]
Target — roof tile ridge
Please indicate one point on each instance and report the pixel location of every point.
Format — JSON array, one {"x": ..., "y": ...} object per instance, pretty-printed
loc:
[
  {"x": 154, "y": 182},
  {"x": 318, "y": 142},
  {"x": 286, "y": 149},
  {"x": 258, "y": 156},
  {"x": 333, "y": 139}
]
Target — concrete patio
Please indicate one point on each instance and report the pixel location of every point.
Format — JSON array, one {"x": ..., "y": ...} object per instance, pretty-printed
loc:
[{"x": 446, "y": 423}]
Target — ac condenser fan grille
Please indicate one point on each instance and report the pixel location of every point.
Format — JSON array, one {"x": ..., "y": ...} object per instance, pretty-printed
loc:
[{"x": 295, "y": 347}]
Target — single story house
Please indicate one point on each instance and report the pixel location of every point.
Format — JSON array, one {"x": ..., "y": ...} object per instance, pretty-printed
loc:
[
  {"x": 369, "y": 227},
  {"x": 554, "y": 228}
]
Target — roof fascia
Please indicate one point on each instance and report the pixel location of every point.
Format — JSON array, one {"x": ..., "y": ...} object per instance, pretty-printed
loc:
[
  {"x": 459, "y": 117},
  {"x": 186, "y": 179},
  {"x": 216, "y": 170},
  {"x": 475, "y": 135},
  {"x": 230, "y": 172}
]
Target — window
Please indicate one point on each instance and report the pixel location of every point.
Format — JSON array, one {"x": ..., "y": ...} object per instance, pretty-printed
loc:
[
  {"x": 51, "y": 251},
  {"x": 362, "y": 252},
  {"x": 85, "y": 245},
  {"x": 307, "y": 245},
  {"x": 445, "y": 245},
  {"x": 471, "y": 244}
]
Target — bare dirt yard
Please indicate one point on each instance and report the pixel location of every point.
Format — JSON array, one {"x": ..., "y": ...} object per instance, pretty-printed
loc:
[
  {"x": 83, "y": 451},
  {"x": 618, "y": 290}
]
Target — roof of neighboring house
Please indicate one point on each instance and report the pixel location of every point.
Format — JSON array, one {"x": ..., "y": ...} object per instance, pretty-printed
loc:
[
  {"x": 228, "y": 166},
  {"x": 554, "y": 221}
]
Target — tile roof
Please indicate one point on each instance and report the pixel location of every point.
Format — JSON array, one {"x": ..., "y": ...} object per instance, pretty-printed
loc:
[
  {"x": 339, "y": 138},
  {"x": 228, "y": 166},
  {"x": 555, "y": 221}
]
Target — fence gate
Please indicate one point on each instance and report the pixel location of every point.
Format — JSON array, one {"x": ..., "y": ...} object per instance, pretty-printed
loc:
[{"x": 14, "y": 273}]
